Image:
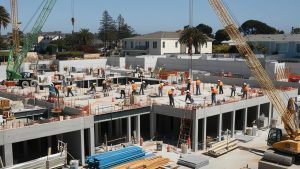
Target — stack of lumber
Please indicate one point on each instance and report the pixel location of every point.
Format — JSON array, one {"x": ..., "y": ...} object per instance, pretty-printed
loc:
[
  {"x": 113, "y": 158},
  {"x": 147, "y": 163},
  {"x": 223, "y": 147},
  {"x": 193, "y": 161}
]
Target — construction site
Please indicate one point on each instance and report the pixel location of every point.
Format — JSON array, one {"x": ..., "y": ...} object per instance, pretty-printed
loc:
[{"x": 156, "y": 112}]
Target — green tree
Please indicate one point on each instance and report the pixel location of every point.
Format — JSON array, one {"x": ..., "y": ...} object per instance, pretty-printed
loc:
[
  {"x": 221, "y": 35},
  {"x": 4, "y": 18},
  {"x": 205, "y": 29},
  {"x": 123, "y": 29},
  {"x": 85, "y": 37},
  {"x": 198, "y": 38},
  {"x": 256, "y": 27},
  {"x": 107, "y": 30},
  {"x": 295, "y": 31}
]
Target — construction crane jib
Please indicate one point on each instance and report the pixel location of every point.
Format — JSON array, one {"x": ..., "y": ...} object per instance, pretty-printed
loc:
[{"x": 288, "y": 117}]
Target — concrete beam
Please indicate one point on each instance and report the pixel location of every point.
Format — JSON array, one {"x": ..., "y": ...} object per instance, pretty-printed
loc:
[
  {"x": 129, "y": 129},
  {"x": 195, "y": 132},
  {"x": 233, "y": 123},
  {"x": 220, "y": 127},
  {"x": 245, "y": 119},
  {"x": 8, "y": 154},
  {"x": 204, "y": 126}
]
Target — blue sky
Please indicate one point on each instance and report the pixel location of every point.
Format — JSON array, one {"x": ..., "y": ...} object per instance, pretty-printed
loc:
[{"x": 147, "y": 16}]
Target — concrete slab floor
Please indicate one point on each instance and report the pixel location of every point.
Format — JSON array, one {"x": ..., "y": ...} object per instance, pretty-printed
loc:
[{"x": 235, "y": 159}]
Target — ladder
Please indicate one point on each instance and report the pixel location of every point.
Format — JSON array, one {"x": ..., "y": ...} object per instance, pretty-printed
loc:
[{"x": 185, "y": 131}]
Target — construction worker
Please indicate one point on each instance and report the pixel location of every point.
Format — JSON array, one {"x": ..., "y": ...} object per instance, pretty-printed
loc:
[
  {"x": 160, "y": 89},
  {"x": 198, "y": 82},
  {"x": 69, "y": 90},
  {"x": 93, "y": 87},
  {"x": 188, "y": 85},
  {"x": 213, "y": 95},
  {"x": 143, "y": 86},
  {"x": 57, "y": 90},
  {"x": 220, "y": 86},
  {"x": 171, "y": 97},
  {"x": 245, "y": 91},
  {"x": 133, "y": 87},
  {"x": 189, "y": 96},
  {"x": 233, "y": 89},
  {"x": 123, "y": 91},
  {"x": 52, "y": 91}
]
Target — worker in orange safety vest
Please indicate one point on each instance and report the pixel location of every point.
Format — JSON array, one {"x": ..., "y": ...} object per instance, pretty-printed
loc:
[
  {"x": 160, "y": 89},
  {"x": 133, "y": 87},
  {"x": 198, "y": 82},
  {"x": 213, "y": 95},
  {"x": 245, "y": 91}
]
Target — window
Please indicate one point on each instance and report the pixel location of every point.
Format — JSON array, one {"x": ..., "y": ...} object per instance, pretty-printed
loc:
[
  {"x": 176, "y": 44},
  {"x": 154, "y": 45},
  {"x": 125, "y": 44},
  {"x": 298, "y": 48},
  {"x": 281, "y": 47},
  {"x": 131, "y": 44},
  {"x": 164, "y": 44},
  {"x": 147, "y": 44}
]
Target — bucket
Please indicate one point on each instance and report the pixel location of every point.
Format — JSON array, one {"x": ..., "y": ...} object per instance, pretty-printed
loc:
[
  {"x": 273, "y": 123},
  {"x": 184, "y": 148},
  {"x": 74, "y": 164}
]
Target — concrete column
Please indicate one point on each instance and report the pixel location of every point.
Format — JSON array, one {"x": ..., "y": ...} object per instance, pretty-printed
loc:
[
  {"x": 117, "y": 128},
  {"x": 152, "y": 125},
  {"x": 245, "y": 119},
  {"x": 92, "y": 141},
  {"x": 8, "y": 154},
  {"x": 128, "y": 129},
  {"x": 233, "y": 123},
  {"x": 49, "y": 142},
  {"x": 138, "y": 127},
  {"x": 220, "y": 127},
  {"x": 195, "y": 132},
  {"x": 97, "y": 134},
  {"x": 270, "y": 113},
  {"x": 121, "y": 127},
  {"x": 25, "y": 148},
  {"x": 82, "y": 146},
  {"x": 258, "y": 111},
  {"x": 204, "y": 133}
]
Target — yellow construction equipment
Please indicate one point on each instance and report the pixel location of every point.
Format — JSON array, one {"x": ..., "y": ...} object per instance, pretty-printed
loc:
[{"x": 291, "y": 143}]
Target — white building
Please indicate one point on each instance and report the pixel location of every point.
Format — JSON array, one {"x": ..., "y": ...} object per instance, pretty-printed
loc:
[{"x": 159, "y": 43}]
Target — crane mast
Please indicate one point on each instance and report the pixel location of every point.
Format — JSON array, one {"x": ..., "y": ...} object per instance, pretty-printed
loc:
[
  {"x": 15, "y": 61},
  {"x": 288, "y": 117},
  {"x": 15, "y": 26}
]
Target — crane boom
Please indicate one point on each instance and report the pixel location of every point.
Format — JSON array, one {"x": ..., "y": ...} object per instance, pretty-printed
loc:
[
  {"x": 15, "y": 27},
  {"x": 256, "y": 68},
  {"x": 14, "y": 63}
]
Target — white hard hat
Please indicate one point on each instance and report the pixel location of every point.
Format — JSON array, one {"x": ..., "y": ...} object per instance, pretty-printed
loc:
[
  {"x": 144, "y": 82},
  {"x": 173, "y": 88},
  {"x": 188, "y": 91},
  {"x": 219, "y": 80},
  {"x": 245, "y": 83},
  {"x": 132, "y": 81},
  {"x": 189, "y": 78}
]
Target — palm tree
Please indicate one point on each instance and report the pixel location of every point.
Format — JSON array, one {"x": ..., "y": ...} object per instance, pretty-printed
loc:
[
  {"x": 194, "y": 34},
  {"x": 4, "y": 18},
  {"x": 86, "y": 37}
]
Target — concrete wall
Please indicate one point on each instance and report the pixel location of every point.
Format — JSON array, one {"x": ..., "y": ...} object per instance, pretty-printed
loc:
[
  {"x": 82, "y": 64},
  {"x": 294, "y": 67}
]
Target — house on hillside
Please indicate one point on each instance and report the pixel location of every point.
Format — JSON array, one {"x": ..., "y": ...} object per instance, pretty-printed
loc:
[
  {"x": 283, "y": 44},
  {"x": 46, "y": 37},
  {"x": 159, "y": 43}
]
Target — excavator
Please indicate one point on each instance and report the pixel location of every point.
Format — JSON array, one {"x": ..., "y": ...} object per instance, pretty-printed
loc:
[
  {"x": 288, "y": 143},
  {"x": 17, "y": 57}
]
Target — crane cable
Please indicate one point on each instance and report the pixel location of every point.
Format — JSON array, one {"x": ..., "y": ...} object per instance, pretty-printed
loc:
[{"x": 73, "y": 15}]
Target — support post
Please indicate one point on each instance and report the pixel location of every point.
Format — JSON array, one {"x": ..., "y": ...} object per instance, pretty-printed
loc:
[
  {"x": 258, "y": 111},
  {"x": 82, "y": 146},
  {"x": 92, "y": 141},
  {"x": 195, "y": 131},
  {"x": 220, "y": 127},
  {"x": 8, "y": 154},
  {"x": 270, "y": 114},
  {"x": 204, "y": 133},
  {"x": 152, "y": 124},
  {"x": 245, "y": 119},
  {"x": 138, "y": 128},
  {"x": 233, "y": 123},
  {"x": 97, "y": 134},
  {"x": 129, "y": 129}
]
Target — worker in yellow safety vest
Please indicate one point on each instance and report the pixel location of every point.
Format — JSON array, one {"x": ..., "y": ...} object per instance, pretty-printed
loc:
[
  {"x": 220, "y": 86},
  {"x": 69, "y": 90},
  {"x": 171, "y": 97}
]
